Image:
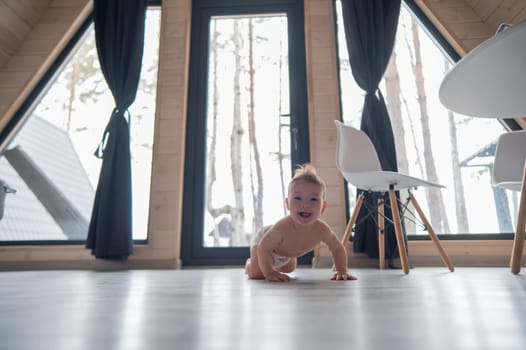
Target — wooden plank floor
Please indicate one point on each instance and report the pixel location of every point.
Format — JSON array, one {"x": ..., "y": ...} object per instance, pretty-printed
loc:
[{"x": 431, "y": 308}]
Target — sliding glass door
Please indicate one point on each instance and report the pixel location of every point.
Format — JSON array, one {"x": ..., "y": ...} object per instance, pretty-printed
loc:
[{"x": 247, "y": 124}]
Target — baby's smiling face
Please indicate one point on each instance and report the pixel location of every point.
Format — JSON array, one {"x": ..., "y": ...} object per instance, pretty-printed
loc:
[{"x": 306, "y": 202}]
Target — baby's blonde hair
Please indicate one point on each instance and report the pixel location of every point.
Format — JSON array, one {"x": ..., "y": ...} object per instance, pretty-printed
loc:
[{"x": 307, "y": 172}]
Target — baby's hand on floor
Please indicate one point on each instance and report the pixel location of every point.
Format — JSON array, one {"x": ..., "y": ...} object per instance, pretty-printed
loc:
[
  {"x": 277, "y": 277},
  {"x": 343, "y": 276}
]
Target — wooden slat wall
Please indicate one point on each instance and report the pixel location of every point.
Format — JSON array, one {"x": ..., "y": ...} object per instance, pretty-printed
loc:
[
  {"x": 164, "y": 229},
  {"x": 467, "y": 23},
  {"x": 324, "y": 108},
  {"x": 17, "y": 17},
  {"x": 39, "y": 30}
]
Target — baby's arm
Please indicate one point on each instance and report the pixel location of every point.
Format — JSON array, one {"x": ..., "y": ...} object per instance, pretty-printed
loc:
[
  {"x": 265, "y": 259},
  {"x": 339, "y": 256}
]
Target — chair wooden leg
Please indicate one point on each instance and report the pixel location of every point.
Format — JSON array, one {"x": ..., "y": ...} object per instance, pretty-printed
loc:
[
  {"x": 381, "y": 235},
  {"x": 518, "y": 241},
  {"x": 398, "y": 231},
  {"x": 431, "y": 233},
  {"x": 352, "y": 221}
]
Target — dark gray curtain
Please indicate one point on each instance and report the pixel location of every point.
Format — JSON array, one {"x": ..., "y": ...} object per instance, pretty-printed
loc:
[
  {"x": 119, "y": 34},
  {"x": 370, "y": 31}
]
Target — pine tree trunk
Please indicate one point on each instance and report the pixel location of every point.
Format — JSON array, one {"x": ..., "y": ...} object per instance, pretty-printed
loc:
[
  {"x": 460, "y": 202},
  {"x": 236, "y": 137},
  {"x": 437, "y": 209},
  {"x": 72, "y": 90},
  {"x": 211, "y": 161},
  {"x": 257, "y": 193},
  {"x": 394, "y": 106}
]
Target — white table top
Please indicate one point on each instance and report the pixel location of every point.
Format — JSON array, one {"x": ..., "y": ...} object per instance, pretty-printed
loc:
[{"x": 490, "y": 81}]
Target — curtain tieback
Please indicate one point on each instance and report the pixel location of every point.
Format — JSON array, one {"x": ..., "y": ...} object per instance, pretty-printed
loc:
[
  {"x": 377, "y": 93},
  {"x": 99, "y": 151}
]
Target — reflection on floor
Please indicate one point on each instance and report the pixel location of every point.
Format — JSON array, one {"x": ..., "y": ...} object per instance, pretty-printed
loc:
[{"x": 471, "y": 308}]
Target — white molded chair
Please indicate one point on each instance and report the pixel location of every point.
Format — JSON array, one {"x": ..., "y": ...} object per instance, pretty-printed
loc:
[
  {"x": 357, "y": 160},
  {"x": 509, "y": 172}
]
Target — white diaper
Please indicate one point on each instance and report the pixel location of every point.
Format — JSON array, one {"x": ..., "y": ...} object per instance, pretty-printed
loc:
[{"x": 279, "y": 261}]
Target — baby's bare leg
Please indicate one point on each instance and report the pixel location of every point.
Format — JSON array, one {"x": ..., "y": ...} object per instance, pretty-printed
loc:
[
  {"x": 290, "y": 266},
  {"x": 252, "y": 266}
]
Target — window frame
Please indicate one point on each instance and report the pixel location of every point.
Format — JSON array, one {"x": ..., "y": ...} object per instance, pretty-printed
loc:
[
  {"x": 16, "y": 123},
  {"x": 447, "y": 48}
]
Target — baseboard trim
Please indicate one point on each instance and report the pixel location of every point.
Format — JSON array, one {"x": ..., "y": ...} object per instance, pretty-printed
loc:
[
  {"x": 363, "y": 261},
  {"x": 94, "y": 265}
]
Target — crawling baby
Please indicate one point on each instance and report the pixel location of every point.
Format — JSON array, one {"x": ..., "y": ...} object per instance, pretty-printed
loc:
[{"x": 275, "y": 248}]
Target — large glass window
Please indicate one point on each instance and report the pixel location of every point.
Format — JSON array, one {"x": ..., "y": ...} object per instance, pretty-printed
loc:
[
  {"x": 432, "y": 142},
  {"x": 50, "y": 161}
]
